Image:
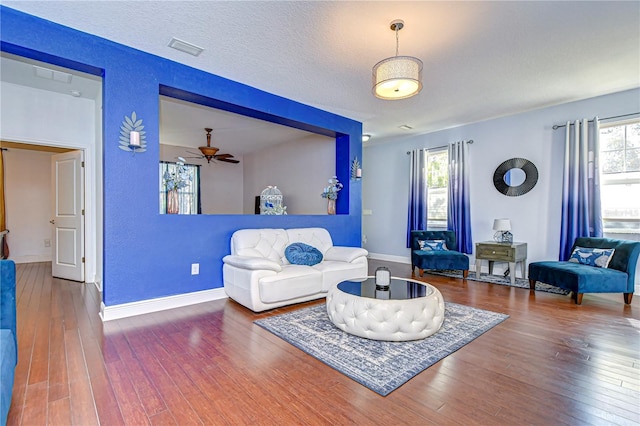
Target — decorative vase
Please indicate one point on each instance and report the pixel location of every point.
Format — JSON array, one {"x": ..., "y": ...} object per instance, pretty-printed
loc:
[
  {"x": 331, "y": 206},
  {"x": 173, "y": 205}
]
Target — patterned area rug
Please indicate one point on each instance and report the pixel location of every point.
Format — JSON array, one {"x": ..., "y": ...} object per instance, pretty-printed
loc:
[
  {"x": 499, "y": 279},
  {"x": 380, "y": 366}
]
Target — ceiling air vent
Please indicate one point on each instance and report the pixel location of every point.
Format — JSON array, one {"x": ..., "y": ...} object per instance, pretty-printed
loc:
[
  {"x": 183, "y": 46},
  {"x": 50, "y": 74}
]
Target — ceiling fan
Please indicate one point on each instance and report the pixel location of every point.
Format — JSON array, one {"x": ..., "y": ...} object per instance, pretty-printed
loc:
[{"x": 210, "y": 152}]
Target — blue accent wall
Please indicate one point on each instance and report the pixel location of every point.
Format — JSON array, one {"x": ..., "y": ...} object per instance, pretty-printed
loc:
[{"x": 148, "y": 255}]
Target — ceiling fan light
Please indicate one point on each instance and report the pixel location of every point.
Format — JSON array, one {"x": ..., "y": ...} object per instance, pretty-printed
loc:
[
  {"x": 208, "y": 151},
  {"x": 398, "y": 77}
]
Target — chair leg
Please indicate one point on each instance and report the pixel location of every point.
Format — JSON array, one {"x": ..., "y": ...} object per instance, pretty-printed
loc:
[
  {"x": 532, "y": 285},
  {"x": 420, "y": 271},
  {"x": 578, "y": 298},
  {"x": 627, "y": 298},
  {"x": 465, "y": 274}
]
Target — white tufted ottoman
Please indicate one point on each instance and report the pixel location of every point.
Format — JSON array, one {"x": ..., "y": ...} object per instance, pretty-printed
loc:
[{"x": 409, "y": 310}]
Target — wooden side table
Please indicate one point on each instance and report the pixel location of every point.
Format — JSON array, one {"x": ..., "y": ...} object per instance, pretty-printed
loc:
[{"x": 502, "y": 252}]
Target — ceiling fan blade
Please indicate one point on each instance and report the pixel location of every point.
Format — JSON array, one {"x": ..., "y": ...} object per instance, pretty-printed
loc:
[
  {"x": 220, "y": 156},
  {"x": 228, "y": 160}
]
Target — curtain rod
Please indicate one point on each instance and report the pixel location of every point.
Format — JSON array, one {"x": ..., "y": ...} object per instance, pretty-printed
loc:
[
  {"x": 557, "y": 126},
  {"x": 470, "y": 141}
]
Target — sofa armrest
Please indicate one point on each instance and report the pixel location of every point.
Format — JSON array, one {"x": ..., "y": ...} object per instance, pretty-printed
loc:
[
  {"x": 253, "y": 263},
  {"x": 8, "y": 297},
  {"x": 345, "y": 254}
]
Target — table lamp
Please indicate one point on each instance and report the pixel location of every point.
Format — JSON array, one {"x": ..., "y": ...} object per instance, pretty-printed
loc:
[{"x": 502, "y": 228}]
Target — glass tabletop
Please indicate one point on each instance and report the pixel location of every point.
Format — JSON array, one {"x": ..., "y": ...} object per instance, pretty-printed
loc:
[{"x": 398, "y": 289}]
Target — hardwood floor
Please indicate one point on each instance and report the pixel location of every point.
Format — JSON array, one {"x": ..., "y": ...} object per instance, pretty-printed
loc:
[{"x": 551, "y": 362}]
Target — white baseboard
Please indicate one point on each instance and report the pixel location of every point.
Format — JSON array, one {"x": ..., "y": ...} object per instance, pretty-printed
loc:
[
  {"x": 390, "y": 258},
  {"x": 31, "y": 258},
  {"x": 108, "y": 313}
]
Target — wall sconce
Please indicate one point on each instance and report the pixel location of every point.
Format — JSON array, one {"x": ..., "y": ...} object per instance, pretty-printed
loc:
[
  {"x": 356, "y": 170},
  {"x": 502, "y": 228},
  {"x": 132, "y": 138}
]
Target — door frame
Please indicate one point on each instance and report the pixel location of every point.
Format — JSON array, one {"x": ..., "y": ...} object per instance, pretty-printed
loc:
[{"x": 93, "y": 229}]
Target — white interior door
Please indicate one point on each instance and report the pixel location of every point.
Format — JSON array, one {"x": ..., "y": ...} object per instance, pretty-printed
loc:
[{"x": 67, "y": 179}]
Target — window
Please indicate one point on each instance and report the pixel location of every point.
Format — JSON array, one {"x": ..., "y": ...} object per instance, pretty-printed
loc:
[
  {"x": 620, "y": 179},
  {"x": 438, "y": 185},
  {"x": 189, "y": 196}
]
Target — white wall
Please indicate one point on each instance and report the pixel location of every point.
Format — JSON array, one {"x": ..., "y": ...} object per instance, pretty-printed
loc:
[
  {"x": 39, "y": 117},
  {"x": 535, "y": 216},
  {"x": 220, "y": 183},
  {"x": 300, "y": 169},
  {"x": 28, "y": 204}
]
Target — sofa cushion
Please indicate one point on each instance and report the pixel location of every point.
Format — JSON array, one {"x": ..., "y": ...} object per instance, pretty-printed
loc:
[
  {"x": 435, "y": 245},
  {"x": 599, "y": 257},
  {"x": 316, "y": 237},
  {"x": 302, "y": 254},
  {"x": 440, "y": 260},
  {"x": 293, "y": 282},
  {"x": 267, "y": 242},
  {"x": 448, "y": 236},
  {"x": 336, "y": 271}
]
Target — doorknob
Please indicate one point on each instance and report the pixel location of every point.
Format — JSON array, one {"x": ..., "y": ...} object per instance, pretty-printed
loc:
[{"x": 53, "y": 222}]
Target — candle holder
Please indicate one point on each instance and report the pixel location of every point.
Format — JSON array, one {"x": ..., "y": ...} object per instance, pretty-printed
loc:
[
  {"x": 382, "y": 278},
  {"x": 132, "y": 137}
]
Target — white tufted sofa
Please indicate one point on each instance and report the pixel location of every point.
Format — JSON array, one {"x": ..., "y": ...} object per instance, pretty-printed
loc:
[
  {"x": 258, "y": 275},
  {"x": 390, "y": 320}
]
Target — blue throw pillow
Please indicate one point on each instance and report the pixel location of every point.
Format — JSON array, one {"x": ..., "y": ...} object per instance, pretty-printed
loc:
[
  {"x": 434, "y": 245},
  {"x": 302, "y": 254},
  {"x": 592, "y": 256}
]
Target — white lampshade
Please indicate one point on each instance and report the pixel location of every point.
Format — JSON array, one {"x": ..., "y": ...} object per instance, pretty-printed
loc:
[
  {"x": 502, "y": 225},
  {"x": 398, "y": 77}
]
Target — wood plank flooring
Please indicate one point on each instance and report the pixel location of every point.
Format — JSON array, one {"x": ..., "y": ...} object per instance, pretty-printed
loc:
[{"x": 550, "y": 363}]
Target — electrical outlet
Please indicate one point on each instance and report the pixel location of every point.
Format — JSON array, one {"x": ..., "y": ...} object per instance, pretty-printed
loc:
[
  {"x": 195, "y": 268},
  {"x": 47, "y": 243}
]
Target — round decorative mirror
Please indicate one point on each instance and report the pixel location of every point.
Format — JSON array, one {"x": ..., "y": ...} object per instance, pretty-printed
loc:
[{"x": 515, "y": 177}]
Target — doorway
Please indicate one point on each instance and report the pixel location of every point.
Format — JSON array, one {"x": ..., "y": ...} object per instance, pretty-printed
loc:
[{"x": 45, "y": 204}]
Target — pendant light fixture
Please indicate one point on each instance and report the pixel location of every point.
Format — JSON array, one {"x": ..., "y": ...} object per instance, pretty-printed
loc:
[{"x": 397, "y": 77}]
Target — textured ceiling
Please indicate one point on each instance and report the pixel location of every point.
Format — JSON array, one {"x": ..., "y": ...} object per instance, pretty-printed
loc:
[{"x": 481, "y": 59}]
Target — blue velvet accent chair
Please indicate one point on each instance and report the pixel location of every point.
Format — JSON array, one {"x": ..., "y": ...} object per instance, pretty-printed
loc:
[
  {"x": 8, "y": 336},
  {"x": 449, "y": 259},
  {"x": 617, "y": 277}
]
